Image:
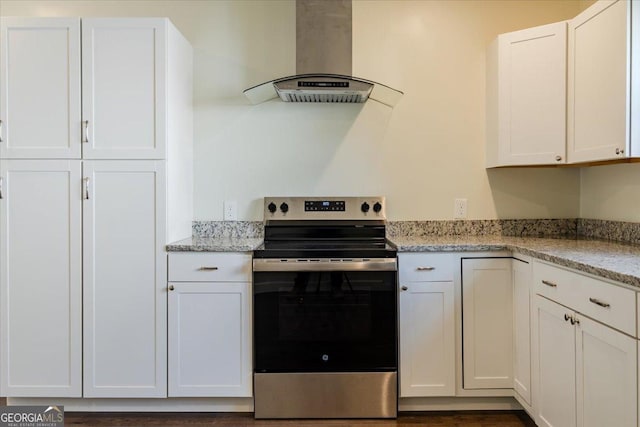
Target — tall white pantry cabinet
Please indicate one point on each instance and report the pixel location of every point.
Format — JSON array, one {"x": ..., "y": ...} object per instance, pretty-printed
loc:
[{"x": 95, "y": 179}]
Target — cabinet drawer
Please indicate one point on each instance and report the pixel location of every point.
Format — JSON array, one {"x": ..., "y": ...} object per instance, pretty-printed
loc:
[
  {"x": 605, "y": 302},
  {"x": 209, "y": 267},
  {"x": 421, "y": 267},
  {"x": 554, "y": 283}
]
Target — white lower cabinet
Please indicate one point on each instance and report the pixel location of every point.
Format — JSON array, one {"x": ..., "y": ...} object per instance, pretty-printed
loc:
[
  {"x": 210, "y": 352},
  {"x": 427, "y": 325},
  {"x": 40, "y": 278},
  {"x": 586, "y": 371},
  {"x": 556, "y": 373},
  {"x": 521, "y": 280},
  {"x": 487, "y": 323},
  {"x": 124, "y": 279}
]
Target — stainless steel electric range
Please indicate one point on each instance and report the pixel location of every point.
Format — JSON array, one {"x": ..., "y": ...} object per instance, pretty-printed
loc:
[{"x": 325, "y": 310}]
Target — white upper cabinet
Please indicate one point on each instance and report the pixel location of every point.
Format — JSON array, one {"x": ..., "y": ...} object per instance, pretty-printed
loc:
[
  {"x": 599, "y": 83},
  {"x": 526, "y": 97},
  {"x": 40, "y": 88},
  {"x": 124, "y": 85},
  {"x": 120, "y": 112}
]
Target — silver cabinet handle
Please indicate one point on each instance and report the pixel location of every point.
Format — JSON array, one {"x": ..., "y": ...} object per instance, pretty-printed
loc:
[
  {"x": 550, "y": 284},
  {"x": 558, "y": 158},
  {"x": 86, "y": 188},
  {"x": 619, "y": 150},
  {"x": 404, "y": 288},
  {"x": 208, "y": 268},
  {"x": 1, "y": 188},
  {"x": 425, "y": 268},
  {"x": 171, "y": 288},
  {"x": 85, "y": 130},
  {"x": 0, "y": 130},
  {"x": 600, "y": 303}
]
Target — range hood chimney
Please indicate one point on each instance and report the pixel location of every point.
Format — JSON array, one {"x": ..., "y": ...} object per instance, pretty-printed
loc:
[{"x": 323, "y": 61}]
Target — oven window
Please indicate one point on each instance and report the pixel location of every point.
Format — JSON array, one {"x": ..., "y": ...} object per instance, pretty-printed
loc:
[{"x": 325, "y": 321}]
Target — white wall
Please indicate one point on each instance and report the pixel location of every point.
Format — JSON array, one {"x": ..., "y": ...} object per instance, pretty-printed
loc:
[{"x": 421, "y": 155}]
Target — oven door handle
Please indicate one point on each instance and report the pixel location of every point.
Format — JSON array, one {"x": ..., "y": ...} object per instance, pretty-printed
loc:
[{"x": 287, "y": 265}]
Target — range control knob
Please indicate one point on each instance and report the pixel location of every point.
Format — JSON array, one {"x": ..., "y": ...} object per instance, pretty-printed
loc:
[
  {"x": 284, "y": 207},
  {"x": 272, "y": 207},
  {"x": 377, "y": 207},
  {"x": 365, "y": 207}
]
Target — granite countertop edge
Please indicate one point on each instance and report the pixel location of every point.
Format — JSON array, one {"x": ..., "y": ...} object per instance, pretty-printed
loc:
[
  {"x": 215, "y": 244},
  {"x": 615, "y": 261}
]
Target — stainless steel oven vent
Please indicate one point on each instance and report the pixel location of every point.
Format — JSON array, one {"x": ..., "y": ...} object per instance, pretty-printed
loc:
[
  {"x": 323, "y": 61},
  {"x": 323, "y": 88},
  {"x": 322, "y": 97}
]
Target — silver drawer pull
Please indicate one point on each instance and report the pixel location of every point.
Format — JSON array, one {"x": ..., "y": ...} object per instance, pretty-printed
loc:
[
  {"x": 86, "y": 188},
  {"x": 550, "y": 284},
  {"x": 425, "y": 268},
  {"x": 208, "y": 268},
  {"x": 600, "y": 303},
  {"x": 85, "y": 130}
]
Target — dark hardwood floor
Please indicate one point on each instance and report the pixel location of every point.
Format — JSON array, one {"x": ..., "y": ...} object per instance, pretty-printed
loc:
[{"x": 407, "y": 419}]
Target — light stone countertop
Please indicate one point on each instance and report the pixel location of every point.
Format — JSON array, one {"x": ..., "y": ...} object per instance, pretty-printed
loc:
[
  {"x": 610, "y": 260},
  {"x": 215, "y": 244}
]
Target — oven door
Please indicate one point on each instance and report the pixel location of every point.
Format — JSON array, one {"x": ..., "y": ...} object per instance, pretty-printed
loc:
[{"x": 325, "y": 316}]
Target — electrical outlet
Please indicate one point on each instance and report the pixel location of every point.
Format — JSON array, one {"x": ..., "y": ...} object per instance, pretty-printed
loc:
[
  {"x": 460, "y": 208},
  {"x": 230, "y": 210}
]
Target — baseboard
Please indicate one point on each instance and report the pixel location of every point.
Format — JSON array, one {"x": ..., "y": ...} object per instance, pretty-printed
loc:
[
  {"x": 230, "y": 404},
  {"x": 458, "y": 404}
]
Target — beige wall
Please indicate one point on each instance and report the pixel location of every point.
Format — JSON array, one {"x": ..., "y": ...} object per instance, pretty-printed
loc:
[
  {"x": 421, "y": 155},
  {"x": 611, "y": 192}
]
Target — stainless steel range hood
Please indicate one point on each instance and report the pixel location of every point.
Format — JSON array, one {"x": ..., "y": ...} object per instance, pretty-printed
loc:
[{"x": 323, "y": 61}]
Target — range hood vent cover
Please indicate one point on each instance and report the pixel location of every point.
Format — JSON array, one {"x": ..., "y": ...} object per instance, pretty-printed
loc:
[
  {"x": 323, "y": 56},
  {"x": 323, "y": 88}
]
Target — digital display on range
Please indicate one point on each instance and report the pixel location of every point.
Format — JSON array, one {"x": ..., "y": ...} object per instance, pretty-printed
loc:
[{"x": 324, "y": 205}]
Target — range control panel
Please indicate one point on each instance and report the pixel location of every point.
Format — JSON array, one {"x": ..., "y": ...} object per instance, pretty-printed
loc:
[{"x": 324, "y": 208}]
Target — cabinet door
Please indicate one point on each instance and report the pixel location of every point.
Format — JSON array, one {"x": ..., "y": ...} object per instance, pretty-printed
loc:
[
  {"x": 556, "y": 371},
  {"x": 487, "y": 323},
  {"x": 521, "y": 278},
  {"x": 532, "y": 100},
  {"x": 210, "y": 340},
  {"x": 606, "y": 376},
  {"x": 40, "y": 88},
  {"x": 124, "y": 279},
  {"x": 40, "y": 278},
  {"x": 427, "y": 346},
  {"x": 598, "y": 82},
  {"x": 123, "y": 80}
]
